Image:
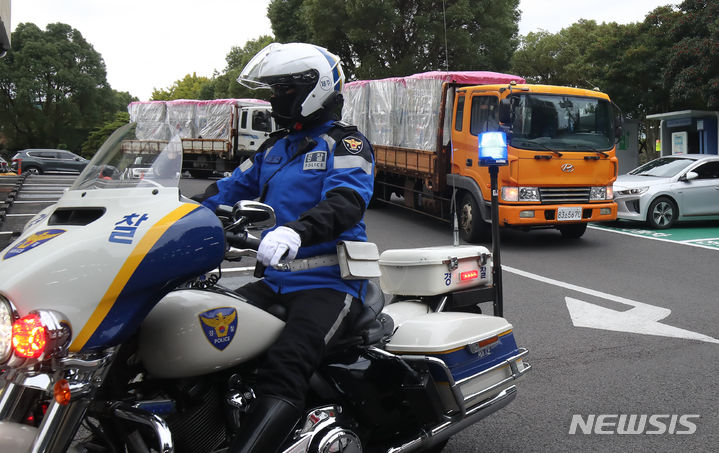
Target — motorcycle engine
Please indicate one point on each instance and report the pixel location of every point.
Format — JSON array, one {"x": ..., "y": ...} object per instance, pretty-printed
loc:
[{"x": 199, "y": 423}]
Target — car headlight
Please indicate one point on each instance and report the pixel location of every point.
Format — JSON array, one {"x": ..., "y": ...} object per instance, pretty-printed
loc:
[
  {"x": 7, "y": 317},
  {"x": 633, "y": 191},
  {"x": 520, "y": 194},
  {"x": 601, "y": 193}
]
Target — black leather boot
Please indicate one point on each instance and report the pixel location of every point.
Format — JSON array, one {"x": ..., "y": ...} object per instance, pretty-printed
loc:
[{"x": 266, "y": 426}]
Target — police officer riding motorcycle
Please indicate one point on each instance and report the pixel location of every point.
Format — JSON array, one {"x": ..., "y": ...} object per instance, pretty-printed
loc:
[{"x": 317, "y": 174}]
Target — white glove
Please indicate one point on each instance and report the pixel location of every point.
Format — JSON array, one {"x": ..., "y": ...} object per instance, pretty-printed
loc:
[{"x": 276, "y": 243}]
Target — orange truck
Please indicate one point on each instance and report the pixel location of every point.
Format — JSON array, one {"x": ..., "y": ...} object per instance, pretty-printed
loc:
[{"x": 424, "y": 129}]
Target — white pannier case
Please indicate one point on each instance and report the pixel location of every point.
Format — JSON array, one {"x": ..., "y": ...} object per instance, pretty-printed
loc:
[{"x": 429, "y": 271}]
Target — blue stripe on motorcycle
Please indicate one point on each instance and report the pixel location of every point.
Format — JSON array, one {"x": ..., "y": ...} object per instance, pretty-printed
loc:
[{"x": 188, "y": 246}]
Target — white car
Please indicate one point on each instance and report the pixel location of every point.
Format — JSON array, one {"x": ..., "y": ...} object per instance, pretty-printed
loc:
[{"x": 669, "y": 189}]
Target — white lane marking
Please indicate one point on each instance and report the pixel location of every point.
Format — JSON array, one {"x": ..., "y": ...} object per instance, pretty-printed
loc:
[{"x": 641, "y": 318}]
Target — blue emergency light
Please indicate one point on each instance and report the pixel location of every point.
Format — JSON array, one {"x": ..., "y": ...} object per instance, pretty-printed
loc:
[{"x": 492, "y": 148}]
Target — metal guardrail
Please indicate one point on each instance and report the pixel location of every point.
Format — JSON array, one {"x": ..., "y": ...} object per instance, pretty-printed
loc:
[{"x": 21, "y": 197}]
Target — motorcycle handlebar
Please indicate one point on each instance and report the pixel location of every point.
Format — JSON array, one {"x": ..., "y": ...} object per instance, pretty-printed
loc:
[
  {"x": 245, "y": 241},
  {"x": 242, "y": 240}
]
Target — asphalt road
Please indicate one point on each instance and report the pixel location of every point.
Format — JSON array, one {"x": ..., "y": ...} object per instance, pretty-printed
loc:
[{"x": 620, "y": 329}]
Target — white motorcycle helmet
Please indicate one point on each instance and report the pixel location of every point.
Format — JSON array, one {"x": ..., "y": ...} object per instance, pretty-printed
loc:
[{"x": 306, "y": 81}]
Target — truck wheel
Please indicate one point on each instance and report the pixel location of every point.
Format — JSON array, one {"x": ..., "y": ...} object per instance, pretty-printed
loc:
[
  {"x": 472, "y": 228},
  {"x": 376, "y": 200},
  {"x": 573, "y": 230}
]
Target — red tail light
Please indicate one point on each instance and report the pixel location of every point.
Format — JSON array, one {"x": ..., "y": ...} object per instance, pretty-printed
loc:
[{"x": 28, "y": 336}]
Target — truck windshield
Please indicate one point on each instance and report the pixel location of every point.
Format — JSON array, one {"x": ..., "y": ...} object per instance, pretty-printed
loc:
[{"x": 561, "y": 123}]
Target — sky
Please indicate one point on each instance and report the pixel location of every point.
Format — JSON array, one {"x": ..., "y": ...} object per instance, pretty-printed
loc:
[{"x": 149, "y": 44}]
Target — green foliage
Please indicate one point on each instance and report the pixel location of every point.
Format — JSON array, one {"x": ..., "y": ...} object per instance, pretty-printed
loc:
[
  {"x": 692, "y": 71},
  {"x": 99, "y": 134},
  {"x": 190, "y": 87},
  {"x": 380, "y": 38},
  {"x": 670, "y": 61},
  {"x": 53, "y": 88},
  {"x": 225, "y": 85}
]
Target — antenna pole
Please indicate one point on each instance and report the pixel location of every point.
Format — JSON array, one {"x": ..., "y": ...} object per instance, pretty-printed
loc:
[{"x": 446, "y": 48}]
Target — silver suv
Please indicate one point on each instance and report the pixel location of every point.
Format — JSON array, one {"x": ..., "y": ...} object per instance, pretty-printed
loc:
[{"x": 38, "y": 161}]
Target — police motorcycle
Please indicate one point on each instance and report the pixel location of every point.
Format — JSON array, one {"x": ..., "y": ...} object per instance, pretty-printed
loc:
[{"x": 115, "y": 335}]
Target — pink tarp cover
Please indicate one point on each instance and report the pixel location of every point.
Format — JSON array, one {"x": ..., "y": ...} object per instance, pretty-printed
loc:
[{"x": 463, "y": 77}]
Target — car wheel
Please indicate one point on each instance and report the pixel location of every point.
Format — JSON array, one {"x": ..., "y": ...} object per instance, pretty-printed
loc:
[
  {"x": 32, "y": 171},
  {"x": 662, "y": 214},
  {"x": 573, "y": 231},
  {"x": 472, "y": 227}
]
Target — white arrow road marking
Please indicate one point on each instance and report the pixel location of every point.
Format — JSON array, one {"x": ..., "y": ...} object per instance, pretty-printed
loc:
[
  {"x": 593, "y": 316},
  {"x": 641, "y": 318}
]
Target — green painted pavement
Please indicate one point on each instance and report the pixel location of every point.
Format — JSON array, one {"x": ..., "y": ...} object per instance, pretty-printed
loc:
[{"x": 704, "y": 234}]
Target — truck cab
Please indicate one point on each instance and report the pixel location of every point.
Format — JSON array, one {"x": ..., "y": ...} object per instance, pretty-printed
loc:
[
  {"x": 562, "y": 162},
  {"x": 255, "y": 124}
]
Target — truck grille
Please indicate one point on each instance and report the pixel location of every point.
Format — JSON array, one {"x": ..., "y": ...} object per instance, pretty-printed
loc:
[{"x": 558, "y": 195}]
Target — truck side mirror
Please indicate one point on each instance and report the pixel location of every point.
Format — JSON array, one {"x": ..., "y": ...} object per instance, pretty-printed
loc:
[
  {"x": 505, "y": 111},
  {"x": 618, "y": 122}
]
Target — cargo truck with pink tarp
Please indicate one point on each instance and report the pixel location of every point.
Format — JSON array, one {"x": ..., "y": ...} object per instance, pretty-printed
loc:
[
  {"x": 424, "y": 129},
  {"x": 216, "y": 134}
]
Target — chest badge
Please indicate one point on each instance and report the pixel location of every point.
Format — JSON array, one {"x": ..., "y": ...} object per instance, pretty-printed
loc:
[
  {"x": 219, "y": 326},
  {"x": 316, "y": 160}
]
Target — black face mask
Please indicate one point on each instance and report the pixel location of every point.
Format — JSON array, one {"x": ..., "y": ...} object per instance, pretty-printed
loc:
[{"x": 283, "y": 109}]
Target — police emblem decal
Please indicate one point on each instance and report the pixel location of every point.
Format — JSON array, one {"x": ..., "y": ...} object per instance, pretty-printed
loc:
[
  {"x": 219, "y": 326},
  {"x": 32, "y": 241},
  {"x": 316, "y": 160},
  {"x": 352, "y": 144}
]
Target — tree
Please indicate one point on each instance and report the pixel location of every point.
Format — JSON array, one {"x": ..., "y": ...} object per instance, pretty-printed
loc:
[
  {"x": 190, "y": 87},
  {"x": 624, "y": 61},
  {"x": 225, "y": 85},
  {"x": 541, "y": 59},
  {"x": 376, "y": 38},
  {"x": 692, "y": 71},
  {"x": 99, "y": 134},
  {"x": 53, "y": 88}
]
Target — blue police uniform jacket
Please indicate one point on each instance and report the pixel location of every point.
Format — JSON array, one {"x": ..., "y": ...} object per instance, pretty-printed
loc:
[{"x": 321, "y": 193}]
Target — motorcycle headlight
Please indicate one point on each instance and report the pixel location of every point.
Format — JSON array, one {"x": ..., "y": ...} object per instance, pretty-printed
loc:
[{"x": 7, "y": 317}]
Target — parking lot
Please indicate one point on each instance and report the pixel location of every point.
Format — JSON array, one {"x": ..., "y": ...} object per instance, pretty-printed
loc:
[{"x": 695, "y": 234}]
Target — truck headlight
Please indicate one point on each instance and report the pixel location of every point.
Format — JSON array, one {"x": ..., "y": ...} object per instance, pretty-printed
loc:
[
  {"x": 7, "y": 317},
  {"x": 528, "y": 194},
  {"x": 520, "y": 194},
  {"x": 601, "y": 193}
]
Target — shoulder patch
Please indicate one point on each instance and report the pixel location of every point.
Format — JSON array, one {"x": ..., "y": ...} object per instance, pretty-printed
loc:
[{"x": 353, "y": 144}]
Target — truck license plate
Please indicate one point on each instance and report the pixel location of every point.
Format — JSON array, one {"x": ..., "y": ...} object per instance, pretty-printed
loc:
[{"x": 564, "y": 214}]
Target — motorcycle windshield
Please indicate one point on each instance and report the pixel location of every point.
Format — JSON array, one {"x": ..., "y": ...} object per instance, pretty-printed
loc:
[{"x": 127, "y": 160}]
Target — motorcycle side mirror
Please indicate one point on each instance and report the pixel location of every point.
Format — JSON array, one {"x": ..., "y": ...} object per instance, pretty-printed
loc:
[
  {"x": 256, "y": 214},
  {"x": 224, "y": 213}
]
